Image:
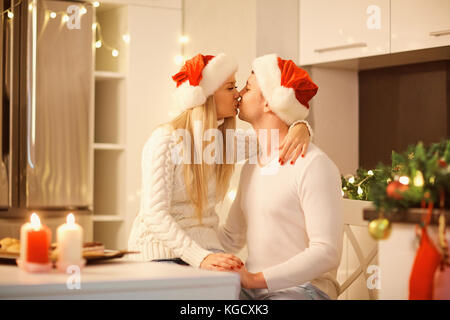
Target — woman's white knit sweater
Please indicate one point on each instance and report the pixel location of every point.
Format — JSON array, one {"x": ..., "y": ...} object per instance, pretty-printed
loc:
[{"x": 167, "y": 226}]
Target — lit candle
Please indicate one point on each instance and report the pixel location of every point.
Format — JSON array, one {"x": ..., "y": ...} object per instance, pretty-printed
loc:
[
  {"x": 70, "y": 244},
  {"x": 35, "y": 241}
]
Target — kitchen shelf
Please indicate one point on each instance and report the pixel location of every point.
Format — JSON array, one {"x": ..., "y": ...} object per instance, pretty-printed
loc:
[
  {"x": 109, "y": 111},
  {"x": 109, "y": 75},
  {"x": 109, "y": 146},
  {"x": 107, "y": 218}
]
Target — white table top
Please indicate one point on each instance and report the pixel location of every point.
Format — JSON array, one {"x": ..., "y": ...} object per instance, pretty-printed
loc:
[{"x": 118, "y": 276}]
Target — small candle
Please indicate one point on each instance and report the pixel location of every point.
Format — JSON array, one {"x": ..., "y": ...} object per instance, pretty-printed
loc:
[
  {"x": 70, "y": 244},
  {"x": 35, "y": 241}
]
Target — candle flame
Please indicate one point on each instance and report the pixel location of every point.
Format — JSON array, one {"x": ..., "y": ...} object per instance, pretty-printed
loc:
[
  {"x": 35, "y": 222},
  {"x": 70, "y": 219}
]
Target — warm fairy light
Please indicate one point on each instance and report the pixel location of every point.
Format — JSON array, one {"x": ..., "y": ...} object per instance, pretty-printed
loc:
[
  {"x": 404, "y": 180},
  {"x": 418, "y": 179},
  {"x": 83, "y": 11},
  {"x": 96, "y": 4},
  {"x": 370, "y": 173},
  {"x": 342, "y": 193},
  {"x": 30, "y": 7},
  {"x": 179, "y": 60},
  {"x": 35, "y": 221},
  {"x": 53, "y": 15},
  {"x": 65, "y": 18},
  {"x": 115, "y": 53},
  {"x": 94, "y": 26},
  {"x": 351, "y": 179},
  {"x": 10, "y": 15},
  {"x": 98, "y": 44},
  {"x": 184, "y": 39},
  {"x": 70, "y": 219},
  {"x": 126, "y": 38},
  {"x": 232, "y": 195},
  {"x": 360, "y": 191}
]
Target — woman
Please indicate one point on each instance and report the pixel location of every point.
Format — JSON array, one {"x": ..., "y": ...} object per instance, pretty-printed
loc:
[{"x": 177, "y": 219}]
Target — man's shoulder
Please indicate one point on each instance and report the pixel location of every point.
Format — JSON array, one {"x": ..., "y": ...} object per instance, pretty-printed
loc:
[{"x": 317, "y": 159}]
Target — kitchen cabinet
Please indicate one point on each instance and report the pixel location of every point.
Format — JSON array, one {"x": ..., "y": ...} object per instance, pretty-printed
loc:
[
  {"x": 419, "y": 24},
  {"x": 346, "y": 29}
]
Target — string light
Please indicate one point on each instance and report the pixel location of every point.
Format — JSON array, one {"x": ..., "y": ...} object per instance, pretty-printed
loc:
[
  {"x": 418, "y": 179},
  {"x": 404, "y": 180},
  {"x": 360, "y": 191},
  {"x": 65, "y": 18},
  {"x": 83, "y": 11},
  {"x": 126, "y": 38},
  {"x": 179, "y": 60},
  {"x": 184, "y": 39},
  {"x": 370, "y": 173},
  {"x": 100, "y": 42},
  {"x": 96, "y": 4},
  {"x": 10, "y": 14},
  {"x": 52, "y": 15},
  {"x": 351, "y": 179}
]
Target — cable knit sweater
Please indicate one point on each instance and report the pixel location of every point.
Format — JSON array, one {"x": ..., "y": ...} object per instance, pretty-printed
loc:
[{"x": 167, "y": 226}]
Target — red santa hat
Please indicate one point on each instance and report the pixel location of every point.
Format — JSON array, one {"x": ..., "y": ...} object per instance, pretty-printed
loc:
[
  {"x": 200, "y": 77},
  {"x": 286, "y": 87}
]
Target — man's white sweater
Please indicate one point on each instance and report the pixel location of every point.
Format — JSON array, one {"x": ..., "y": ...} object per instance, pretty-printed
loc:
[{"x": 289, "y": 216}]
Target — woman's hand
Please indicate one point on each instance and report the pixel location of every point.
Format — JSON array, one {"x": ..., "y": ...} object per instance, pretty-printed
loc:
[
  {"x": 221, "y": 262},
  {"x": 295, "y": 143}
]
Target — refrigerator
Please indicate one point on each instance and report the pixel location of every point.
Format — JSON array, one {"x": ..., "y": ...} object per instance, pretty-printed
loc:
[{"x": 46, "y": 112}]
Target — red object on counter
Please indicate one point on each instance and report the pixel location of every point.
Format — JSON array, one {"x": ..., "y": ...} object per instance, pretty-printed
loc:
[{"x": 38, "y": 245}]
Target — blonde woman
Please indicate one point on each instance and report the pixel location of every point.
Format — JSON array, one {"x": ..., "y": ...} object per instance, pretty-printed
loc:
[{"x": 177, "y": 221}]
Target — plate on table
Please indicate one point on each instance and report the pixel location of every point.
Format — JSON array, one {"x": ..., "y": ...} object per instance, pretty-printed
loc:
[
  {"x": 10, "y": 257},
  {"x": 106, "y": 255}
]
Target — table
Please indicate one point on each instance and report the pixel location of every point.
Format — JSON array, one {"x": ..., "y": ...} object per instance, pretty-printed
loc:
[{"x": 121, "y": 279}]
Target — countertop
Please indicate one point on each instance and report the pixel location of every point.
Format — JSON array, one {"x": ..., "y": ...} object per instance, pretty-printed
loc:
[{"x": 120, "y": 279}]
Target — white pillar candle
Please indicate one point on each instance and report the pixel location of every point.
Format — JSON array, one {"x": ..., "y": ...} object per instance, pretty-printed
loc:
[{"x": 70, "y": 244}]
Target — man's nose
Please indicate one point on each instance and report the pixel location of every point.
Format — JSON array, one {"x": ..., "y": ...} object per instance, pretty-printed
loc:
[{"x": 241, "y": 93}]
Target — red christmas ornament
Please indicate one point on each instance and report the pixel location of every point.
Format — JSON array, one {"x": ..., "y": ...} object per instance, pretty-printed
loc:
[
  {"x": 395, "y": 189},
  {"x": 442, "y": 163}
]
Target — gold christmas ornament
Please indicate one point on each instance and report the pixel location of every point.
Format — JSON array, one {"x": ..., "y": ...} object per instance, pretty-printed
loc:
[{"x": 380, "y": 228}]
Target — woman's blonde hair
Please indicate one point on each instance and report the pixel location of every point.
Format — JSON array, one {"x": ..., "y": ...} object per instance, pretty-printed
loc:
[{"x": 196, "y": 176}]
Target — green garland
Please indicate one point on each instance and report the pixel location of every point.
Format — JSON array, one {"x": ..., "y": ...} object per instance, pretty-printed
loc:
[{"x": 422, "y": 171}]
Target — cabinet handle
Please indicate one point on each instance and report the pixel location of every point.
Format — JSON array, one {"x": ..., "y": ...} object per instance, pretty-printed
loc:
[
  {"x": 440, "y": 33},
  {"x": 345, "y": 46}
]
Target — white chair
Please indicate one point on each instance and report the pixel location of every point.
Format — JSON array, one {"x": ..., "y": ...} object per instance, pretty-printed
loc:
[{"x": 359, "y": 252}]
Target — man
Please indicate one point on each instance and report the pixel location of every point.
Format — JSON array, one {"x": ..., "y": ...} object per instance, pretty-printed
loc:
[{"x": 289, "y": 218}]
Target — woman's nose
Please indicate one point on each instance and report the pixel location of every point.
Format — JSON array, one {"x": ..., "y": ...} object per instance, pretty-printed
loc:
[{"x": 241, "y": 93}]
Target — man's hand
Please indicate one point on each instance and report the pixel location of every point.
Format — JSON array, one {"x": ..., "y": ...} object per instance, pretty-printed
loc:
[
  {"x": 295, "y": 143},
  {"x": 252, "y": 280},
  {"x": 221, "y": 262}
]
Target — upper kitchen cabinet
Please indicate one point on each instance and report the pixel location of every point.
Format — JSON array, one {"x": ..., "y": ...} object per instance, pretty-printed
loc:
[
  {"x": 419, "y": 24},
  {"x": 336, "y": 30}
]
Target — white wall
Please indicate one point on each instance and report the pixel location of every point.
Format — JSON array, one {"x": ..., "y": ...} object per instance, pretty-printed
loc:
[
  {"x": 215, "y": 26},
  {"x": 149, "y": 89}
]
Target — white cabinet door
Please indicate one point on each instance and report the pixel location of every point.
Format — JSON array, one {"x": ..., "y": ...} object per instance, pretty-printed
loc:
[
  {"x": 419, "y": 24},
  {"x": 333, "y": 30}
]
